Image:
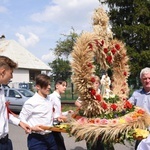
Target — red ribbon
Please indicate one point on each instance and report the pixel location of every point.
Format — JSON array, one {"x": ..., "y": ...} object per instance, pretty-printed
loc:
[{"x": 9, "y": 111}]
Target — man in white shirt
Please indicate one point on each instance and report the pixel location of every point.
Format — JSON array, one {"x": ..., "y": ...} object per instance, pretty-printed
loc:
[
  {"x": 141, "y": 97},
  {"x": 6, "y": 69},
  {"x": 37, "y": 112}
]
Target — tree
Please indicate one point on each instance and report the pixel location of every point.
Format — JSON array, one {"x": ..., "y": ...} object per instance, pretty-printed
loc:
[
  {"x": 61, "y": 69},
  {"x": 65, "y": 46},
  {"x": 130, "y": 21}
]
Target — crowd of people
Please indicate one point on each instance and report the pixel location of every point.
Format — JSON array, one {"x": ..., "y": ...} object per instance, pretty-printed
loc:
[{"x": 44, "y": 109}]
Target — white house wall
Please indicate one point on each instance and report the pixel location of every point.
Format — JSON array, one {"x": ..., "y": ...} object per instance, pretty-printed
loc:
[{"x": 19, "y": 76}]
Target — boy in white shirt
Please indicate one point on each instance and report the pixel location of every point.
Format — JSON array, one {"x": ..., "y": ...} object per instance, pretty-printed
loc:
[
  {"x": 38, "y": 111},
  {"x": 6, "y": 69},
  {"x": 60, "y": 87}
]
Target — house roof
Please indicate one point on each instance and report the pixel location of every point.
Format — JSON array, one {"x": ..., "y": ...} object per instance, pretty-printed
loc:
[{"x": 22, "y": 56}]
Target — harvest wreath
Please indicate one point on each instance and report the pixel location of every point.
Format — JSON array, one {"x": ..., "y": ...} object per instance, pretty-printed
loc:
[{"x": 113, "y": 120}]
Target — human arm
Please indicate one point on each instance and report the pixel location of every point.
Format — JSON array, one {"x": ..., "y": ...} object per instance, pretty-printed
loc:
[
  {"x": 57, "y": 107},
  {"x": 25, "y": 126},
  {"x": 78, "y": 102},
  {"x": 18, "y": 122},
  {"x": 37, "y": 128},
  {"x": 65, "y": 113},
  {"x": 132, "y": 99},
  {"x": 24, "y": 115}
]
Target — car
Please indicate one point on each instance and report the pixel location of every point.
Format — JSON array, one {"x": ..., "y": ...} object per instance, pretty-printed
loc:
[{"x": 17, "y": 97}]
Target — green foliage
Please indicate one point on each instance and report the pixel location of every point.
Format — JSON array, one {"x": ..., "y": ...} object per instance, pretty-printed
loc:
[
  {"x": 61, "y": 69},
  {"x": 65, "y": 46},
  {"x": 130, "y": 21},
  {"x": 114, "y": 99}
]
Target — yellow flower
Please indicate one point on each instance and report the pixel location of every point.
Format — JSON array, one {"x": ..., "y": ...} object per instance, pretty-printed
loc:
[
  {"x": 141, "y": 133},
  {"x": 121, "y": 120}
]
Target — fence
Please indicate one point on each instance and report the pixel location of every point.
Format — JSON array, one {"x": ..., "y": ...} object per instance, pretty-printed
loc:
[{"x": 70, "y": 94}]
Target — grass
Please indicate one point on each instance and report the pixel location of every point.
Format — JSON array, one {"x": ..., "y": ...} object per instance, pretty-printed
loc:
[{"x": 66, "y": 107}]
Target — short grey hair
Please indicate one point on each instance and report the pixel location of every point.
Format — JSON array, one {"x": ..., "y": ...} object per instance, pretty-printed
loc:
[{"x": 144, "y": 71}]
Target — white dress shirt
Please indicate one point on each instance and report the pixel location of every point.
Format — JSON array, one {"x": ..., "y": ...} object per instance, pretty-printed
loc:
[
  {"x": 141, "y": 99},
  {"x": 4, "y": 116},
  {"x": 55, "y": 96},
  {"x": 144, "y": 144},
  {"x": 37, "y": 110}
]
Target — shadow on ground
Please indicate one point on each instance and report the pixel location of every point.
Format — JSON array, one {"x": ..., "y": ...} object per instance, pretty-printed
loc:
[{"x": 78, "y": 148}]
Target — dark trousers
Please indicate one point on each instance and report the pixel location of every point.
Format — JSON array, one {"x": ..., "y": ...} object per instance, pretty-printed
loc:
[
  {"x": 41, "y": 142},
  {"x": 59, "y": 140},
  {"x": 6, "y": 144},
  {"x": 137, "y": 142}
]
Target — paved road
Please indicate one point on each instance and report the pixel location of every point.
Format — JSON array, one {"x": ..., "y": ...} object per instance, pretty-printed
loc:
[{"x": 18, "y": 138}]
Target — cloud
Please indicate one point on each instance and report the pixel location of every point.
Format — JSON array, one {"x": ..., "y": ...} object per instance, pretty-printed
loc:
[
  {"x": 48, "y": 57},
  {"x": 67, "y": 13},
  {"x": 32, "y": 28},
  {"x": 3, "y": 9},
  {"x": 26, "y": 42}
]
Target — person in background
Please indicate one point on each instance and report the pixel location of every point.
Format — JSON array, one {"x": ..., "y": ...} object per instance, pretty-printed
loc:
[
  {"x": 96, "y": 86},
  {"x": 98, "y": 145},
  {"x": 37, "y": 111},
  {"x": 141, "y": 97},
  {"x": 59, "y": 116},
  {"x": 6, "y": 70}
]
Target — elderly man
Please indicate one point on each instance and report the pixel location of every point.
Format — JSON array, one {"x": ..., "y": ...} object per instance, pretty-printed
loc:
[{"x": 141, "y": 97}]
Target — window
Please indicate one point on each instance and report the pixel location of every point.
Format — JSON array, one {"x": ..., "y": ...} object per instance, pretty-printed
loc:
[{"x": 11, "y": 93}]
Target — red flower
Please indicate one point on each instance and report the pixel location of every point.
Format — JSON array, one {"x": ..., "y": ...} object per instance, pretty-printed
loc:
[
  {"x": 113, "y": 51},
  {"x": 124, "y": 83},
  {"x": 105, "y": 50},
  {"x": 98, "y": 97},
  {"x": 140, "y": 111},
  {"x": 97, "y": 121},
  {"x": 97, "y": 43},
  {"x": 109, "y": 59},
  {"x": 125, "y": 73},
  {"x": 92, "y": 79},
  {"x": 128, "y": 105},
  {"x": 91, "y": 121},
  {"x": 90, "y": 46},
  {"x": 102, "y": 43},
  {"x": 114, "y": 107},
  {"x": 82, "y": 120},
  {"x": 104, "y": 121},
  {"x": 112, "y": 80},
  {"x": 122, "y": 91},
  {"x": 117, "y": 46},
  {"x": 93, "y": 92},
  {"x": 104, "y": 105},
  {"x": 90, "y": 65}
]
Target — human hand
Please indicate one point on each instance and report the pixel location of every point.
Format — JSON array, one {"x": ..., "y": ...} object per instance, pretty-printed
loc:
[
  {"x": 71, "y": 111},
  {"x": 37, "y": 128},
  {"x": 62, "y": 118},
  {"x": 25, "y": 126}
]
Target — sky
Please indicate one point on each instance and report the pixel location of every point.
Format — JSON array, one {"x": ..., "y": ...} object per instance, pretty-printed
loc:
[{"x": 38, "y": 24}]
